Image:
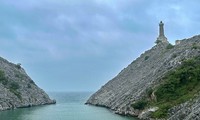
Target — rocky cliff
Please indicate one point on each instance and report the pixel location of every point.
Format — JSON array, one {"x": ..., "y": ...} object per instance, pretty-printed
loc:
[
  {"x": 17, "y": 89},
  {"x": 134, "y": 82}
]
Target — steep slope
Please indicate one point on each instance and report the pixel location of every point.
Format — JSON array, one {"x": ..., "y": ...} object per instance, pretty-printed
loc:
[
  {"x": 146, "y": 72},
  {"x": 17, "y": 89}
]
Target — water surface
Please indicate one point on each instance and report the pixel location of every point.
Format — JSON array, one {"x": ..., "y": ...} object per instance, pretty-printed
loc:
[{"x": 70, "y": 106}]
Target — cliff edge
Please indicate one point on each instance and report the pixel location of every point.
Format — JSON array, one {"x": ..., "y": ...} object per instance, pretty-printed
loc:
[
  {"x": 125, "y": 94},
  {"x": 17, "y": 89}
]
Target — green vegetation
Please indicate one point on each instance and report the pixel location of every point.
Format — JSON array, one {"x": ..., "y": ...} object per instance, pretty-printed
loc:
[
  {"x": 149, "y": 92},
  {"x": 158, "y": 41},
  {"x": 179, "y": 86},
  {"x": 181, "y": 81},
  {"x": 29, "y": 86},
  {"x": 174, "y": 55},
  {"x": 14, "y": 86},
  {"x": 19, "y": 75},
  {"x": 2, "y": 75},
  {"x": 170, "y": 46},
  {"x": 3, "y": 78},
  {"x": 18, "y": 65},
  {"x": 140, "y": 105},
  {"x": 32, "y": 82},
  {"x": 195, "y": 46},
  {"x": 162, "y": 111},
  {"x": 18, "y": 94},
  {"x": 146, "y": 58}
]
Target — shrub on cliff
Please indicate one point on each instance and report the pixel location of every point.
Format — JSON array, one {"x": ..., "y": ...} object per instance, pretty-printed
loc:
[
  {"x": 18, "y": 65},
  {"x": 14, "y": 86},
  {"x": 140, "y": 105},
  {"x": 170, "y": 46},
  {"x": 3, "y": 78},
  {"x": 180, "y": 85}
]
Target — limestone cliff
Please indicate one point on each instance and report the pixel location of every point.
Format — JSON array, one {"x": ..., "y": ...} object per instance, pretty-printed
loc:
[
  {"x": 147, "y": 71},
  {"x": 17, "y": 89}
]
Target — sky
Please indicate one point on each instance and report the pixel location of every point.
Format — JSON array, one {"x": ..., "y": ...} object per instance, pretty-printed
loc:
[{"x": 79, "y": 45}]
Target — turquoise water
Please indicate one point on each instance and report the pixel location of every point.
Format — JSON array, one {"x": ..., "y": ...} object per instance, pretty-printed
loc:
[{"x": 70, "y": 106}]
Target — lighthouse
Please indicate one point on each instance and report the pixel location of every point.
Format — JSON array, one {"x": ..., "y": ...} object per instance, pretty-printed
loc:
[{"x": 161, "y": 38}]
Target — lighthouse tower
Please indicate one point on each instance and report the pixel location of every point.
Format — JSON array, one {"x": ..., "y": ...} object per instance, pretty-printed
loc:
[{"x": 161, "y": 38}]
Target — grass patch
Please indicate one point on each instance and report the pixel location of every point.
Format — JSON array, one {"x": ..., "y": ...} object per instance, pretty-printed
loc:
[
  {"x": 180, "y": 85},
  {"x": 163, "y": 110}
]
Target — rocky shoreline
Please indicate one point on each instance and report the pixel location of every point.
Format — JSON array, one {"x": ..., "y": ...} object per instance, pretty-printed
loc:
[
  {"x": 147, "y": 71},
  {"x": 17, "y": 89}
]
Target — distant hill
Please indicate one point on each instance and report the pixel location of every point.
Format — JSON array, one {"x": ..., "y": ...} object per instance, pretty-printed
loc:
[
  {"x": 164, "y": 82},
  {"x": 17, "y": 89}
]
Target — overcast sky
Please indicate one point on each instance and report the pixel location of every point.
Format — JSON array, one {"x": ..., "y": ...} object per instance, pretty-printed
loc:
[{"x": 78, "y": 45}]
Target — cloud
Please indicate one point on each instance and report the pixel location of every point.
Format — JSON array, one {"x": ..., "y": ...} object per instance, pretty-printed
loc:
[{"x": 98, "y": 35}]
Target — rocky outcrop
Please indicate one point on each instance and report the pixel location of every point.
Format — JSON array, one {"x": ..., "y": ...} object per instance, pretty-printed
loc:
[
  {"x": 146, "y": 72},
  {"x": 17, "y": 89},
  {"x": 189, "y": 110}
]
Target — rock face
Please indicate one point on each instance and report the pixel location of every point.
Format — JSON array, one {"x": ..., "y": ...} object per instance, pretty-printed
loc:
[
  {"x": 17, "y": 89},
  {"x": 132, "y": 83}
]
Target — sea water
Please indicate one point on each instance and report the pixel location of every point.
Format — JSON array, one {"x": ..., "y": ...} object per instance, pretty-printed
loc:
[{"x": 70, "y": 106}]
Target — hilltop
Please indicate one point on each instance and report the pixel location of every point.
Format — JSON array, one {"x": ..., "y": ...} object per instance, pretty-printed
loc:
[
  {"x": 163, "y": 83},
  {"x": 17, "y": 89}
]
